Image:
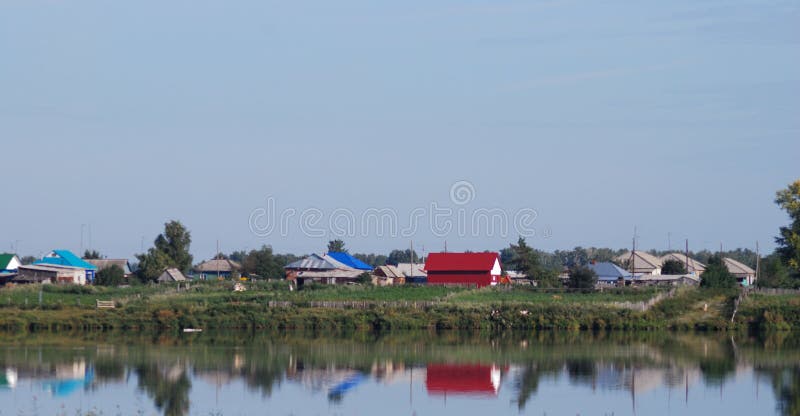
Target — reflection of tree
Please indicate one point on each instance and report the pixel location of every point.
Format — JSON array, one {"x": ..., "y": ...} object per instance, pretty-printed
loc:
[
  {"x": 581, "y": 370},
  {"x": 786, "y": 385},
  {"x": 528, "y": 382},
  {"x": 168, "y": 389},
  {"x": 717, "y": 368}
]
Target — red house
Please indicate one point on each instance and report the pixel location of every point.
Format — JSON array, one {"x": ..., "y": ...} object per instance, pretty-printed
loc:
[{"x": 469, "y": 269}]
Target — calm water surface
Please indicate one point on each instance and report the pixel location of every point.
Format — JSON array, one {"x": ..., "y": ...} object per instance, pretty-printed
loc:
[{"x": 401, "y": 374}]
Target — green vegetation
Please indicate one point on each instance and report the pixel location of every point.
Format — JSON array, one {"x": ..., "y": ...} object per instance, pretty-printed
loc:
[
  {"x": 272, "y": 305},
  {"x": 673, "y": 267},
  {"x": 789, "y": 240},
  {"x": 110, "y": 276},
  {"x": 717, "y": 275},
  {"x": 582, "y": 278},
  {"x": 171, "y": 249}
]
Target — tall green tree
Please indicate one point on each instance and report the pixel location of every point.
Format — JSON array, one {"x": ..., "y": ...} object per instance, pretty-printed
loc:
[
  {"x": 263, "y": 263},
  {"x": 170, "y": 249},
  {"x": 717, "y": 275},
  {"x": 789, "y": 239},
  {"x": 582, "y": 277},
  {"x": 337, "y": 246}
]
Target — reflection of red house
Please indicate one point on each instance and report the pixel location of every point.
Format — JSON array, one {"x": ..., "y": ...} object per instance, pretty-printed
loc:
[
  {"x": 469, "y": 379},
  {"x": 472, "y": 269}
]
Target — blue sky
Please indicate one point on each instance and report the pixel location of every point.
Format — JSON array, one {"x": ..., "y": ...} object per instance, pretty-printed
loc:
[{"x": 679, "y": 118}]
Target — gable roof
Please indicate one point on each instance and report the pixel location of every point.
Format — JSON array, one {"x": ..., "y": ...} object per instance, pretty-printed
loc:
[
  {"x": 348, "y": 260},
  {"x": 103, "y": 264},
  {"x": 5, "y": 259},
  {"x": 312, "y": 262},
  {"x": 737, "y": 268},
  {"x": 418, "y": 270},
  {"x": 65, "y": 258},
  {"x": 223, "y": 265},
  {"x": 461, "y": 262},
  {"x": 609, "y": 271},
  {"x": 172, "y": 275},
  {"x": 692, "y": 265},
  {"x": 389, "y": 271},
  {"x": 642, "y": 261}
]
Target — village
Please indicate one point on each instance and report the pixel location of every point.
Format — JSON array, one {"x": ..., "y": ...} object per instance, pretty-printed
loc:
[{"x": 468, "y": 269}]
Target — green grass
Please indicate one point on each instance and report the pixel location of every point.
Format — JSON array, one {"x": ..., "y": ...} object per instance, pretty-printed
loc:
[
  {"x": 539, "y": 296},
  {"x": 216, "y": 305}
]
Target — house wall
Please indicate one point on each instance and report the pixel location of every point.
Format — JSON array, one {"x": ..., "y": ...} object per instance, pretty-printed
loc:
[
  {"x": 13, "y": 265},
  {"x": 479, "y": 279}
]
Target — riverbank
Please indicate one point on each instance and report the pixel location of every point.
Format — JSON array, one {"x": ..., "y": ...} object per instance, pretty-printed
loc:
[{"x": 271, "y": 306}]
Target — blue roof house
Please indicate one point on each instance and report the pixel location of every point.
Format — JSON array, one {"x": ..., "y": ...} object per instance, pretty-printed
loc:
[
  {"x": 67, "y": 258},
  {"x": 610, "y": 273},
  {"x": 348, "y": 260}
]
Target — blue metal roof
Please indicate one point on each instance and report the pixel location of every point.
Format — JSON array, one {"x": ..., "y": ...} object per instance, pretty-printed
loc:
[
  {"x": 66, "y": 258},
  {"x": 349, "y": 261},
  {"x": 609, "y": 271}
]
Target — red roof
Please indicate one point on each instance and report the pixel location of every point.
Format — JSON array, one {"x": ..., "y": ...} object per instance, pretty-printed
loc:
[{"x": 461, "y": 262}]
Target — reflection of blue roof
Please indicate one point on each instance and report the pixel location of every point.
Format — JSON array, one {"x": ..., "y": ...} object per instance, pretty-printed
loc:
[
  {"x": 346, "y": 385},
  {"x": 349, "y": 261},
  {"x": 66, "y": 258},
  {"x": 64, "y": 388},
  {"x": 609, "y": 271}
]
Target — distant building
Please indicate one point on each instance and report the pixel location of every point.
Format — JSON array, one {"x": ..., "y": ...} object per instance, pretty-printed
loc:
[
  {"x": 692, "y": 266},
  {"x": 414, "y": 273},
  {"x": 9, "y": 263},
  {"x": 467, "y": 269},
  {"x": 67, "y": 258},
  {"x": 210, "y": 269},
  {"x": 642, "y": 263},
  {"x": 387, "y": 275},
  {"x": 171, "y": 275},
  {"x": 103, "y": 264},
  {"x": 743, "y": 273},
  {"x": 609, "y": 273},
  {"x": 328, "y": 269},
  {"x": 50, "y": 273}
]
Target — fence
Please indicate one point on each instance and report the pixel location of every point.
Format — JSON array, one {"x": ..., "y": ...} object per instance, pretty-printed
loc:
[{"x": 644, "y": 306}]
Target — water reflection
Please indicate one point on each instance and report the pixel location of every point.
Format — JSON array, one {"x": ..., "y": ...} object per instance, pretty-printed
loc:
[{"x": 175, "y": 374}]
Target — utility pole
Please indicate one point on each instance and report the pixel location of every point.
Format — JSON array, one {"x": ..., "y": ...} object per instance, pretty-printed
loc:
[
  {"x": 633, "y": 253},
  {"x": 687, "y": 258},
  {"x": 758, "y": 261},
  {"x": 217, "y": 256}
]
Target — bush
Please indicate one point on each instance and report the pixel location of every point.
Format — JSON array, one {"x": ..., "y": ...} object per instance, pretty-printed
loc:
[
  {"x": 717, "y": 275},
  {"x": 582, "y": 278},
  {"x": 110, "y": 276}
]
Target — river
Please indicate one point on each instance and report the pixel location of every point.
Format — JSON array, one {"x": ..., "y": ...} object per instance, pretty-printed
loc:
[{"x": 408, "y": 373}]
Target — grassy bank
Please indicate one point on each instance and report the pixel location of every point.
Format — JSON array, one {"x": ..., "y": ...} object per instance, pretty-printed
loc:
[{"x": 270, "y": 305}]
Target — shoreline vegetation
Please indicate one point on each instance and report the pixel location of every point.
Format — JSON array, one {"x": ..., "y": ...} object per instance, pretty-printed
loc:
[{"x": 272, "y": 306}]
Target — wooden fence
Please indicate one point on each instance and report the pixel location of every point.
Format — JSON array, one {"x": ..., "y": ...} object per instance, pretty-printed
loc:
[{"x": 645, "y": 305}]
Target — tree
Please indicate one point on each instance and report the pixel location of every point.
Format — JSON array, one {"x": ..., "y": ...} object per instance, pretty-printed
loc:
[
  {"x": 263, "y": 263},
  {"x": 336, "y": 246},
  {"x": 91, "y": 255},
  {"x": 789, "y": 240},
  {"x": 171, "y": 249},
  {"x": 402, "y": 256},
  {"x": 110, "y": 276},
  {"x": 774, "y": 273},
  {"x": 26, "y": 260},
  {"x": 175, "y": 242},
  {"x": 372, "y": 259},
  {"x": 582, "y": 277},
  {"x": 673, "y": 267},
  {"x": 717, "y": 275}
]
